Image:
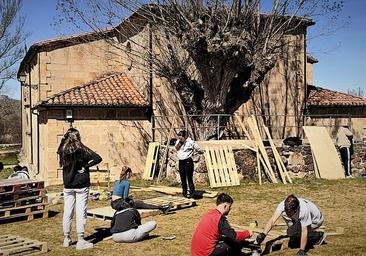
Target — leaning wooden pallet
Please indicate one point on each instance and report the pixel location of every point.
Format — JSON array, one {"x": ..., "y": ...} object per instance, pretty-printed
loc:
[
  {"x": 151, "y": 161},
  {"x": 221, "y": 167},
  {"x": 16, "y": 245}
]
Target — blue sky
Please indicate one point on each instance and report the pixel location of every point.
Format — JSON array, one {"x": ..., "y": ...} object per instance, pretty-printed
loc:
[{"x": 341, "y": 55}]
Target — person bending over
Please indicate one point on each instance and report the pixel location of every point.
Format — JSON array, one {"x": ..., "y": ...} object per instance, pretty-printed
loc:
[
  {"x": 302, "y": 218},
  {"x": 214, "y": 236}
]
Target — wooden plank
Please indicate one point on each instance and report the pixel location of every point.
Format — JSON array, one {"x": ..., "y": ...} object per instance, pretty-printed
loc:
[
  {"x": 163, "y": 160},
  {"x": 281, "y": 167},
  {"x": 208, "y": 160},
  {"x": 176, "y": 190},
  {"x": 106, "y": 213},
  {"x": 259, "y": 168},
  {"x": 232, "y": 164},
  {"x": 226, "y": 164},
  {"x": 151, "y": 161},
  {"x": 225, "y": 181},
  {"x": 215, "y": 169},
  {"x": 258, "y": 140},
  {"x": 325, "y": 152}
]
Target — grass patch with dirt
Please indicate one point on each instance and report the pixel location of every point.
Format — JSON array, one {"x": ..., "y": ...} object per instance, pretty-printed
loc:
[{"x": 342, "y": 202}]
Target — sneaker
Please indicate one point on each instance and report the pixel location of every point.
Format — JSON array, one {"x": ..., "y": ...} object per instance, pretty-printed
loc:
[
  {"x": 349, "y": 177},
  {"x": 83, "y": 244},
  {"x": 321, "y": 239},
  {"x": 167, "y": 208},
  {"x": 67, "y": 241}
]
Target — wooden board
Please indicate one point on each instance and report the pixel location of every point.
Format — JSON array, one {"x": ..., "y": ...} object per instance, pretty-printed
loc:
[
  {"x": 325, "y": 153},
  {"x": 221, "y": 167},
  {"x": 176, "y": 191},
  {"x": 151, "y": 161},
  {"x": 30, "y": 211},
  {"x": 106, "y": 213},
  {"x": 178, "y": 202},
  {"x": 15, "y": 245}
]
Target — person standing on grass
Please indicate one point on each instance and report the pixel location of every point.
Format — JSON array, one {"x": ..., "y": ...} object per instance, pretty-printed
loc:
[
  {"x": 121, "y": 193},
  {"x": 344, "y": 142},
  {"x": 75, "y": 159},
  {"x": 186, "y": 148},
  {"x": 302, "y": 218},
  {"x": 214, "y": 236}
]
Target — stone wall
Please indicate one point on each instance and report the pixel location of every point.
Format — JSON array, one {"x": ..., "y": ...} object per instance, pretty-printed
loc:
[{"x": 298, "y": 160}]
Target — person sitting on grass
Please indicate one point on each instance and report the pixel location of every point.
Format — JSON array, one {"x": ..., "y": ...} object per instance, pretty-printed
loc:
[
  {"x": 121, "y": 193},
  {"x": 214, "y": 236},
  {"x": 20, "y": 173},
  {"x": 302, "y": 218},
  {"x": 126, "y": 224}
]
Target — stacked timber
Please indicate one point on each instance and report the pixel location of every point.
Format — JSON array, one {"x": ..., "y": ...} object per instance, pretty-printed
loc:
[{"x": 22, "y": 198}]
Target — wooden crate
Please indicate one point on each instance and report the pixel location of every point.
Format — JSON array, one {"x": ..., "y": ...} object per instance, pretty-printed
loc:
[
  {"x": 11, "y": 186},
  {"x": 178, "y": 202},
  {"x": 15, "y": 245},
  {"x": 151, "y": 161},
  {"x": 30, "y": 200},
  {"x": 221, "y": 167}
]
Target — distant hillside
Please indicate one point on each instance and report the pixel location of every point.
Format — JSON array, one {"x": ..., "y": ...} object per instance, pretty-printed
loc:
[{"x": 10, "y": 120}]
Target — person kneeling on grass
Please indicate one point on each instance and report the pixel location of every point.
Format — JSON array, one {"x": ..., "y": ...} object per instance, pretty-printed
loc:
[
  {"x": 214, "y": 236},
  {"x": 126, "y": 224},
  {"x": 302, "y": 218}
]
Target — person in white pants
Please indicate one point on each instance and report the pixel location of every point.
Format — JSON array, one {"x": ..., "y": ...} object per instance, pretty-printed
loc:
[
  {"x": 126, "y": 224},
  {"x": 75, "y": 159}
]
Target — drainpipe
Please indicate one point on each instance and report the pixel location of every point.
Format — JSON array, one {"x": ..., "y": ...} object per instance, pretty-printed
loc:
[
  {"x": 305, "y": 82},
  {"x": 30, "y": 115},
  {"x": 151, "y": 111},
  {"x": 35, "y": 112}
]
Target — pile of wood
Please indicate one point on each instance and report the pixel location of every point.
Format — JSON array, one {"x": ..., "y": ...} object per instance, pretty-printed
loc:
[
  {"x": 22, "y": 198},
  {"x": 262, "y": 156}
]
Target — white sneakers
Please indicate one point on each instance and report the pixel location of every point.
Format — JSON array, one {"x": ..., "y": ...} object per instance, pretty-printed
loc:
[
  {"x": 83, "y": 244},
  {"x": 80, "y": 245},
  {"x": 67, "y": 241}
]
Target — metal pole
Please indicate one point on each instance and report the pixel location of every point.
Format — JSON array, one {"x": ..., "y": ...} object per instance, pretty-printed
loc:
[{"x": 218, "y": 127}]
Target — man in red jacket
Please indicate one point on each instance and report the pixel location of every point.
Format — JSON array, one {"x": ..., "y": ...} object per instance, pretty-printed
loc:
[{"x": 214, "y": 236}]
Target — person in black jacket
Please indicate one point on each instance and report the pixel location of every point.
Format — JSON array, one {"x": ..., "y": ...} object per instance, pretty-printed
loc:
[
  {"x": 126, "y": 224},
  {"x": 75, "y": 159}
]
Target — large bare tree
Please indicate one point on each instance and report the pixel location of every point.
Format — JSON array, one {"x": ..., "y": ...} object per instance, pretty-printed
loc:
[
  {"x": 12, "y": 38},
  {"x": 214, "y": 53}
]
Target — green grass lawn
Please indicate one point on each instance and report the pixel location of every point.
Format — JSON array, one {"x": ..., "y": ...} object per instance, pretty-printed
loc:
[{"x": 342, "y": 203}]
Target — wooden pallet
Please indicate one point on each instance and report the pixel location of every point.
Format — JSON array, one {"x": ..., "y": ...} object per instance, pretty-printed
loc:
[
  {"x": 106, "y": 213},
  {"x": 30, "y": 211},
  {"x": 15, "y": 245},
  {"x": 176, "y": 191},
  {"x": 31, "y": 200},
  {"x": 178, "y": 202},
  {"x": 221, "y": 167},
  {"x": 151, "y": 161},
  {"x": 11, "y": 186}
]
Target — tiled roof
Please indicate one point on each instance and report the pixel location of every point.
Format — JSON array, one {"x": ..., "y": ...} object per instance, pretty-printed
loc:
[
  {"x": 111, "y": 90},
  {"x": 323, "y": 97}
]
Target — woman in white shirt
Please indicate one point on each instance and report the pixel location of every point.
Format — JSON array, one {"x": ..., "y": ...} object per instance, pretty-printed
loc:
[{"x": 186, "y": 147}]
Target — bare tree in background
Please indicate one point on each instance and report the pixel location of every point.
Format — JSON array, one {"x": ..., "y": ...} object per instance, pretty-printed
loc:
[
  {"x": 214, "y": 53},
  {"x": 12, "y": 38}
]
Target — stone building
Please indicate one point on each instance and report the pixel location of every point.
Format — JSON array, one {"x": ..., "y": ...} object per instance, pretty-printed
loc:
[{"x": 103, "y": 92}]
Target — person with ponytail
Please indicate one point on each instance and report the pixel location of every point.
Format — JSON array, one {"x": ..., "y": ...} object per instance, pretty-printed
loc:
[
  {"x": 76, "y": 159},
  {"x": 121, "y": 190}
]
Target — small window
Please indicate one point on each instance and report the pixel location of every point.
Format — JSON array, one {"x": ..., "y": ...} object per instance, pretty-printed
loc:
[{"x": 128, "y": 47}]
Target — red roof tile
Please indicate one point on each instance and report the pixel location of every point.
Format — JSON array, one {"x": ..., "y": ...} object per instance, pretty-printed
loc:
[
  {"x": 323, "y": 97},
  {"x": 112, "y": 90}
]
